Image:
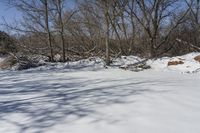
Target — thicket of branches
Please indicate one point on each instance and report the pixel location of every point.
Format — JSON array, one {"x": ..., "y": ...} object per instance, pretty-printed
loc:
[{"x": 107, "y": 28}]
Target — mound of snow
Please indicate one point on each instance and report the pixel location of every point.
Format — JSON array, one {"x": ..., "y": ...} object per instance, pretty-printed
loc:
[
  {"x": 189, "y": 66},
  {"x": 93, "y": 63},
  {"x": 125, "y": 60}
]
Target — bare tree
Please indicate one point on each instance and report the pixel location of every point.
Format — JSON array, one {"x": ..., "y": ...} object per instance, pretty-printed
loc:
[
  {"x": 35, "y": 20},
  {"x": 105, "y": 6},
  {"x": 107, "y": 24},
  {"x": 194, "y": 18},
  {"x": 151, "y": 14},
  {"x": 108, "y": 28},
  {"x": 45, "y": 2},
  {"x": 60, "y": 24}
]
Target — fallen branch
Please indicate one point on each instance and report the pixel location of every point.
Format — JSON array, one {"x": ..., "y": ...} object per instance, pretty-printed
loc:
[
  {"x": 139, "y": 63},
  {"x": 190, "y": 44}
]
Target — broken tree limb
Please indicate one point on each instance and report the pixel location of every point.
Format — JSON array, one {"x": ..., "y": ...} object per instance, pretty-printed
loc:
[
  {"x": 189, "y": 44},
  {"x": 138, "y": 66}
]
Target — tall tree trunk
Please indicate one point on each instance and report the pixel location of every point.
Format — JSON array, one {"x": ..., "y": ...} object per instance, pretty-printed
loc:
[
  {"x": 48, "y": 30},
  {"x": 61, "y": 29},
  {"x": 107, "y": 37},
  {"x": 152, "y": 48}
]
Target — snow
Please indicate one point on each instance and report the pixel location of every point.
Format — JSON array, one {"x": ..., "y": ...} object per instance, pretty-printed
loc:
[
  {"x": 189, "y": 66},
  {"x": 161, "y": 64},
  {"x": 96, "y": 63},
  {"x": 125, "y": 60},
  {"x": 84, "y": 97}
]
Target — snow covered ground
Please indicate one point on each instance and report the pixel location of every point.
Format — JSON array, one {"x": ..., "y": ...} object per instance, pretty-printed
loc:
[
  {"x": 161, "y": 64},
  {"x": 189, "y": 66},
  {"x": 83, "y": 97}
]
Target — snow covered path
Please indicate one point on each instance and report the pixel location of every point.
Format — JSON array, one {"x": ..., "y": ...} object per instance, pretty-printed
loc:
[{"x": 103, "y": 101}]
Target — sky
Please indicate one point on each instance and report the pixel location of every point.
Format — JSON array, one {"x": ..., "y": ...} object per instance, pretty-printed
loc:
[
  {"x": 8, "y": 13},
  {"x": 11, "y": 14}
]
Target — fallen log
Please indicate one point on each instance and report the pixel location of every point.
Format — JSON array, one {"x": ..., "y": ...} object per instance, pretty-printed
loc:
[
  {"x": 136, "y": 67},
  {"x": 189, "y": 44}
]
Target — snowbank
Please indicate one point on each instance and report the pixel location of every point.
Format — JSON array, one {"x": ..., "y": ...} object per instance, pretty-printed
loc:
[
  {"x": 189, "y": 66},
  {"x": 161, "y": 64},
  {"x": 93, "y": 63},
  {"x": 96, "y": 63},
  {"x": 125, "y": 60}
]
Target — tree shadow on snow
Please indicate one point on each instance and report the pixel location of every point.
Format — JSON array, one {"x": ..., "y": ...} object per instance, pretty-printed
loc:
[{"x": 46, "y": 102}]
